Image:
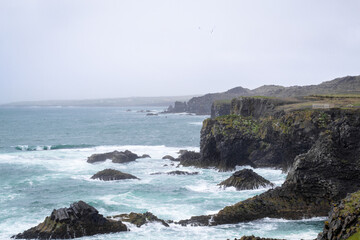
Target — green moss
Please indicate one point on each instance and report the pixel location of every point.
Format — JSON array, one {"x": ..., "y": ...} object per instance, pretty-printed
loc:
[{"x": 355, "y": 236}]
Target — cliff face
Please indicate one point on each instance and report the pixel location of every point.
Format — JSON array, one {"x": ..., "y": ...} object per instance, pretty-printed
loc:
[
  {"x": 270, "y": 141},
  {"x": 324, "y": 173},
  {"x": 344, "y": 220}
]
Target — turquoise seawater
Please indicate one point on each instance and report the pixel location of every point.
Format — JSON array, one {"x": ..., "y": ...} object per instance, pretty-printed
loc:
[{"x": 43, "y": 166}]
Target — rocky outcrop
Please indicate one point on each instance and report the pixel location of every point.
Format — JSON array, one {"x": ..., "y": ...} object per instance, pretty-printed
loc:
[
  {"x": 140, "y": 219},
  {"x": 272, "y": 141},
  {"x": 176, "y": 173},
  {"x": 79, "y": 220},
  {"x": 246, "y": 179},
  {"x": 111, "y": 175},
  {"x": 344, "y": 220},
  {"x": 168, "y": 157},
  {"x": 115, "y": 156},
  {"x": 188, "y": 158},
  {"x": 324, "y": 174}
]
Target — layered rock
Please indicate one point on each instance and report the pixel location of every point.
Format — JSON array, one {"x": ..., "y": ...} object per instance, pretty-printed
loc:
[
  {"x": 344, "y": 220},
  {"x": 324, "y": 174},
  {"x": 140, "y": 219},
  {"x": 115, "y": 156},
  {"x": 111, "y": 175},
  {"x": 79, "y": 220},
  {"x": 188, "y": 158},
  {"x": 246, "y": 179}
]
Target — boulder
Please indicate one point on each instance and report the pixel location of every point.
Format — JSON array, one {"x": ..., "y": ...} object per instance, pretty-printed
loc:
[
  {"x": 79, "y": 220},
  {"x": 140, "y": 219},
  {"x": 168, "y": 157},
  {"x": 188, "y": 158},
  {"x": 255, "y": 238},
  {"x": 145, "y": 156},
  {"x": 246, "y": 179},
  {"x": 111, "y": 175},
  {"x": 115, "y": 156}
]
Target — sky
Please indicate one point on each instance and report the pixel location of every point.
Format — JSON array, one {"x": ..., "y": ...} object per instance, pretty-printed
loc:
[{"x": 86, "y": 49}]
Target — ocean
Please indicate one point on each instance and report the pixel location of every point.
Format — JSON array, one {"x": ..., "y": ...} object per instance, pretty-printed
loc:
[{"x": 43, "y": 166}]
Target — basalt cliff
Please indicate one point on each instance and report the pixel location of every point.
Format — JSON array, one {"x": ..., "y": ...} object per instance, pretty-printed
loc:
[{"x": 319, "y": 148}]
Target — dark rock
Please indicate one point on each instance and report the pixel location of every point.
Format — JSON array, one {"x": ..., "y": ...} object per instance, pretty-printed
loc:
[
  {"x": 151, "y": 114},
  {"x": 196, "y": 221},
  {"x": 145, "y": 156},
  {"x": 79, "y": 220},
  {"x": 111, "y": 175},
  {"x": 255, "y": 238},
  {"x": 326, "y": 173},
  {"x": 140, "y": 219},
  {"x": 176, "y": 173},
  {"x": 246, "y": 179},
  {"x": 115, "y": 156},
  {"x": 344, "y": 219},
  {"x": 188, "y": 158},
  {"x": 168, "y": 157}
]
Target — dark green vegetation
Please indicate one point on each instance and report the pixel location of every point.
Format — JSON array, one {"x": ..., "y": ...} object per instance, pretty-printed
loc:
[{"x": 80, "y": 219}]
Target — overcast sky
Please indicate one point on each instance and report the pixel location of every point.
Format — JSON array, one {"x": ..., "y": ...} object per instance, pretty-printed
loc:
[{"x": 66, "y": 49}]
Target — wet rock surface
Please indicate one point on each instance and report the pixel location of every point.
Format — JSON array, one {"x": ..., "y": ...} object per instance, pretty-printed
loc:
[
  {"x": 140, "y": 219},
  {"x": 344, "y": 219},
  {"x": 176, "y": 173},
  {"x": 246, "y": 179},
  {"x": 111, "y": 175},
  {"x": 115, "y": 156},
  {"x": 79, "y": 220}
]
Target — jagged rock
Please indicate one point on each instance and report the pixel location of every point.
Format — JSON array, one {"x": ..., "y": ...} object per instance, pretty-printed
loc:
[
  {"x": 326, "y": 173},
  {"x": 246, "y": 179},
  {"x": 344, "y": 220},
  {"x": 115, "y": 156},
  {"x": 79, "y": 220},
  {"x": 188, "y": 158},
  {"x": 111, "y": 175},
  {"x": 203, "y": 220},
  {"x": 140, "y": 219},
  {"x": 176, "y": 173},
  {"x": 168, "y": 157}
]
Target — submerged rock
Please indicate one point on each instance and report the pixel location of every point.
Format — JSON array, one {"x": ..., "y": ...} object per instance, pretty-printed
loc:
[
  {"x": 176, "y": 173},
  {"x": 344, "y": 220},
  {"x": 79, "y": 220},
  {"x": 115, "y": 156},
  {"x": 140, "y": 219},
  {"x": 112, "y": 174},
  {"x": 246, "y": 179}
]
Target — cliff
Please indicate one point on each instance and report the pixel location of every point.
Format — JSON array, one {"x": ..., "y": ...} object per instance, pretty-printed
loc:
[
  {"x": 346, "y": 85},
  {"x": 326, "y": 171},
  {"x": 344, "y": 220}
]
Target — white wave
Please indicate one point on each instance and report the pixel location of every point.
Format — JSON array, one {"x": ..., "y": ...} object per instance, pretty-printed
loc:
[{"x": 196, "y": 123}]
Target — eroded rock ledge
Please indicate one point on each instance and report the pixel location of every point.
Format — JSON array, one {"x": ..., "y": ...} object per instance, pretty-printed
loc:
[{"x": 111, "y": 175}]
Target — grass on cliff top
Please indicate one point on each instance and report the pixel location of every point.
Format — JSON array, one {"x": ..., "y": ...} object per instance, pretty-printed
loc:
[
  {"x": 352, "y": 204},
  {"x": 355, "y": 236},
  {"x": 244, "y": 124}
]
